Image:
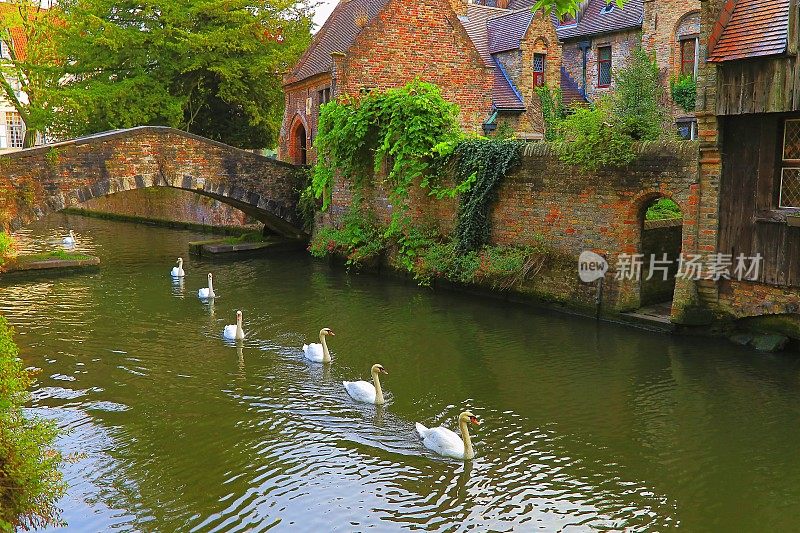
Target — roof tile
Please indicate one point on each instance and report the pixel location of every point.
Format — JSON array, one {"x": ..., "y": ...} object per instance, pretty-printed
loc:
[
  {"x": 592, "y": 22},
  {"x": 756, "y": 28}
]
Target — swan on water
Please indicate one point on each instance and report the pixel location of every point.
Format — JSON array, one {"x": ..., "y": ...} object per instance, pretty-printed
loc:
[
  {"x": 177, "y": 271},
  {"x": 69, "y": 239},
  {"x": 363, "y": 391},
  {"x": 318, "y": 351},
  {"x": 234, "y": 331},
  {"x": 207, "y": 292},
  {"x": 445, "y": 442}
]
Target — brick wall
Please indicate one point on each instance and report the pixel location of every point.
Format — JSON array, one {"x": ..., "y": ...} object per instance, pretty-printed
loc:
[
  {"x": 411, "y": 39},
  {"x": 41, "y": 180},
  {"x": 301, "y": 110},
  {"x": 166, "y": 203},
  {"x": 665, "y": 23},
  {"x": 541, "y": 38},
  {"x": 573, "y": 210}
]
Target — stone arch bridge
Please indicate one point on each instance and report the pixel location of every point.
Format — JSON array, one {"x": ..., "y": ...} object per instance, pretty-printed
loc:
[{"x": 41, "y": 180}]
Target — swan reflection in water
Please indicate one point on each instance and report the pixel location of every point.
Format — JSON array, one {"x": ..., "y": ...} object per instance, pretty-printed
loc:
[{"x": 177, "y": 287}]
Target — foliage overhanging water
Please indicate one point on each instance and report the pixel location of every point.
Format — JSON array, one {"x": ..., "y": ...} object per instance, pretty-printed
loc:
[{"x": 586, "y": 426}]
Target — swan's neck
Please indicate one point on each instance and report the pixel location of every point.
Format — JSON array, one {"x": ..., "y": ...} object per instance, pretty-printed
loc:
[
  {"x": 378, "y": 391},
  {"x": 210, "y": 287},
  {"x": 239, "y": 330},
  {"x": 326, "y": 355},
  {"x": 469, "y": 453}
]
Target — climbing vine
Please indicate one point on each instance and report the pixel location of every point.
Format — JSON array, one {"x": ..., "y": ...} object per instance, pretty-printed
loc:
[
  {"x": 684, "y": 92},
  {"x": 385, "y": 133},
  {"x": 483, "y": 163}
]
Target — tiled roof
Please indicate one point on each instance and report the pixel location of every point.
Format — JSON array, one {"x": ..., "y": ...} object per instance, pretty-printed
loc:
[
  {"x": 475, "y": 23},
  {"x": 592, "y": 22},
  {"x": 504, "y": 96},
  {"x": 507, "y": 31},
  {"x": 20, "y": 40},
  {"x": 571, "y": 93},
  {"x": 336, "y": 35},
  {"x": 756, "y": 28}
]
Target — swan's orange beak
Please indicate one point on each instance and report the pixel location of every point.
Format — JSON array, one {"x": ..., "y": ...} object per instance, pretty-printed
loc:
[
  {"x": 330, "y": 332},
  {"x": 383, "y": 371},
  {"x": 474, "y": 420}
]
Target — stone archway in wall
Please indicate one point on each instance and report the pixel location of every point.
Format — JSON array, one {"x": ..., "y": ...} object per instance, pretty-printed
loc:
[
  {"x": 271, "y": 213},
  {"x": 298, "y": 141},
  {"x": 660, "y": 224}
]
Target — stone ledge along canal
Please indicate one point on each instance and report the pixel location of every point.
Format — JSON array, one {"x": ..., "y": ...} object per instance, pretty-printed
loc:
[{"x": 586, "y": 426}]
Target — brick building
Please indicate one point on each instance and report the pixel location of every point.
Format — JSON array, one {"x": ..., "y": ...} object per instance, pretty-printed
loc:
[
  {"x": 488, "y": 56},
  {"x": 749, "y": 124}
]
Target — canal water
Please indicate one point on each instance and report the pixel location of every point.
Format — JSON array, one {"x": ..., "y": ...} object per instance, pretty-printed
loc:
[{"x": 585, "y": 426}]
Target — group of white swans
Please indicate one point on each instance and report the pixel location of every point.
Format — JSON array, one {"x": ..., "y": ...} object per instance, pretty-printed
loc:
[{"x": 439, "y": 439}]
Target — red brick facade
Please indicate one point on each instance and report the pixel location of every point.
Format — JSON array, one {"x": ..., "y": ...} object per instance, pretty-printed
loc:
[
  {"x": 571, "y": 210},
  {"x": 411, "y": 39}
]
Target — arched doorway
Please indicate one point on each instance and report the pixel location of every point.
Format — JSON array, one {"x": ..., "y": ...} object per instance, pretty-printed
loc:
[
  {"x": 298, "y": 149},
  {"x": 661, "y": 222}
]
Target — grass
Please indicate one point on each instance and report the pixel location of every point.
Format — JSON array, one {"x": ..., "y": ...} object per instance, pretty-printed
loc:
[
  {"x": 253, "y": 236},
  {"x": 53, "y": 255}
]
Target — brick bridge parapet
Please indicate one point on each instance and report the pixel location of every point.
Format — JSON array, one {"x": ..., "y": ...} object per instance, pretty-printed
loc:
[{"x": 41, "y": 180}]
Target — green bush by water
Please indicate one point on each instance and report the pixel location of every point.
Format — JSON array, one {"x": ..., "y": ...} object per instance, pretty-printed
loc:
[{"x": 30, "y": 480}]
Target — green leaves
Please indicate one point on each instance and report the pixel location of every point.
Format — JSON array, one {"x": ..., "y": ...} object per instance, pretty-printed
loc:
[
  {"x": 684, "y": 92},
  {"x": 562, "y": 7},
  {"x": 211, "y": 67},
  {"x": 482, "y": 164},
  {"x": 30, "y": 482},
  {"x": 394, "y": 133}
]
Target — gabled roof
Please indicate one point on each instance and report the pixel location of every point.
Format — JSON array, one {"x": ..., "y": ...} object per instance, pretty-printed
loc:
[
  {"x": 507, "y": 31},
  {"x": 476, "y": 25},
  {"x": 755, "y": 28},
  {"x": 336, "y": 35},
  {"x": 593, "y": 22}
]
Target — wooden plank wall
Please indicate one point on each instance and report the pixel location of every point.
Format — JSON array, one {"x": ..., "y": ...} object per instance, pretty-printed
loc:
[
  {"x": 758, "y": 86},
  {"x": 749, "y": 223}
]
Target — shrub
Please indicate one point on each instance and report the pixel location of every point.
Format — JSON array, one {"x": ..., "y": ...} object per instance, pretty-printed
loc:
[
  {"x": 359, "y": 240},
  {"x": 553, "y": 110},
  {"x": 30, "y": 482},
  {"x": 684, "y": 92},
  {"x": 589, "y": 138},
  {"x": 637, "y": 99},
  {"x": 663, "y": 209},
  {"x": 6, "y": 247}
]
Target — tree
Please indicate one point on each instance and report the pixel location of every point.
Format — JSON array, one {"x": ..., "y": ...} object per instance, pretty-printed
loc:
[
  {"x": 638, "y": 101},
  {"x": 211, "y": 67},
  {"x": 562, "y": 7},
  {"x": 31, "y": 68}
]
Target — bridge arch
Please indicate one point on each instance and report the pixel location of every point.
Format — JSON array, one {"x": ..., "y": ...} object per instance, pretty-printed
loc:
[{"x": 49, "y": 178}]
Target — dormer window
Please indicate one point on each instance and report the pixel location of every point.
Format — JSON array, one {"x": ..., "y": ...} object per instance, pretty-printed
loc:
[{"x": 608, "y": 8}]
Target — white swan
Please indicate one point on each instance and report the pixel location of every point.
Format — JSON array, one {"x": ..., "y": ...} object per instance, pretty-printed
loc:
[
  {"x": 445, "y": 442},
  {"x": 362, "y": 391},
  {"x": 207, "y": 292},
  {"x": 177, "y": 271},
  {"x": 234, "y": 331},
  {"x": 69, "y": 239},
  {"x": 318, "y": 351}
]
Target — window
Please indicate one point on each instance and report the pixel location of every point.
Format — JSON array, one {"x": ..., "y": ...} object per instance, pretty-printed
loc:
[
  {"x": 689, "y": 56},
  {"x": 5, "y": 53},
  {"x": 790, "y": 165},
  {"x": 15, "y": 130},
  {"x": 538, "y": 70},
  {"x": 608, "y": 8},
  {"x": 604, "y": 66},
  {"x": 324, "y": 96},
  {"x": 687, "y": 129}
]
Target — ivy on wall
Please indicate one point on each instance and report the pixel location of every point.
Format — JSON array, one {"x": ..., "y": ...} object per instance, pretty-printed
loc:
[{"x": 389, "y": 132}]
